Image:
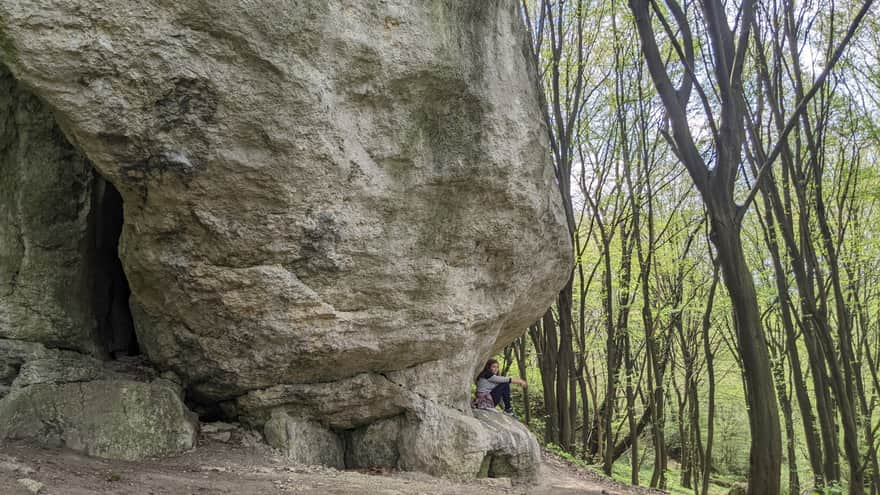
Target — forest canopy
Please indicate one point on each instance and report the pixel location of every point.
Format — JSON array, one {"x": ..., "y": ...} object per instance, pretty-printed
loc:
[{"x": 717, "y": 165}]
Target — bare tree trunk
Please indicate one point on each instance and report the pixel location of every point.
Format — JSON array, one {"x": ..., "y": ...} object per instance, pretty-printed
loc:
[
  {"x": 696, "y": 436},
  {"x": 631, "y": 411},
  {"x": 611, "y": 355},
  {"x": 777, "y": 347},
  {"x": 766, "y": 448},
  {"x": 585, "y": 416},
  {"x": 656, "y": 362},
  {"x": 683, "y": 435},
  {"x": 716, "y": 188},
  {"x": 543, "y": 336},
  {"x": 710, "y": 372},
  {"x": 814, "y": 447},
  {"x": 564, "y": 368},
  {"x": 520, "y": 347}
]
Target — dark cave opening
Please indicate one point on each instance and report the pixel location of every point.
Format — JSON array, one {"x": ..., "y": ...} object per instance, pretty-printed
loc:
[
  {"x": 115, "y": 324},
  {"x": 206, "y": 409}
]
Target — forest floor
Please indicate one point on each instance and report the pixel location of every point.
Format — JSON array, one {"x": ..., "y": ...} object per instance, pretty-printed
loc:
[{"x": 217, "y": 467}]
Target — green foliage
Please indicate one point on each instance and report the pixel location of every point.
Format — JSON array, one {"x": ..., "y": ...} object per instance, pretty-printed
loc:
[
  {"x": 624, "y": 166},
  {"x": 556, "y": 449}
]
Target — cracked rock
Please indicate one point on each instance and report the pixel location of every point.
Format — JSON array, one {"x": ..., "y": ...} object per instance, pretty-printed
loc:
[
  {"x": 59, "y": 367},
  {"x": 45, "y": 191},
  {"x": 117, "y": 419},
  {"x": 304, "y": 441}
]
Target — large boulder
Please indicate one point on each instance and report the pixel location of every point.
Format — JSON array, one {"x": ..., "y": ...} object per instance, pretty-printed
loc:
[
  {"x": 429, "y": 437},
  {"x": 65, "y": 399},
  {"x": 511, "y": 451},
  {"x": 445, "y": 442},
  {"x": 330, "y": 206}
]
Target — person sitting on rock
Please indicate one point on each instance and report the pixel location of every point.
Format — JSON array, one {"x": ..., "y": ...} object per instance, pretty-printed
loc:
[{"x": 493, "y": 389}]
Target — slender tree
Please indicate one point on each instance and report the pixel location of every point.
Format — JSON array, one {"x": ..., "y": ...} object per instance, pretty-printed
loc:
[{"x": 716, "y": 187}]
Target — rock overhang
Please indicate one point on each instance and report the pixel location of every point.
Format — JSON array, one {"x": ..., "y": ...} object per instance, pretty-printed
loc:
[{"x": 364, "y": 190}]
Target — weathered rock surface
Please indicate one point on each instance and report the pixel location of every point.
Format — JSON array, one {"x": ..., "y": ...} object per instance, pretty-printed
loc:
[
  {"x": 59, "y": 367},
  {"x": 374, "y": 445},
  {"x": 334, "y": 210},
  {"x": 460, "y": 445},
  {"x": 29, "y": 363},
  {"x": 13, "y": 354},
  {"x": 428, "y": 437},
  {"x": 219, "y": 431},
  {"x": 343, "y": 404},
  {"x": 511, "y": 451},
  {"x": 45, "y": 203},
  {"x": 305, "y": 441},
  {"x": 78, "y": 404},
  {"x": 33, "y": 486},
  {"x": 119, "y": 409}
]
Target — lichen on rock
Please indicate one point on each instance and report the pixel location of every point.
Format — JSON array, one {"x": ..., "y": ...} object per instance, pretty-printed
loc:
[
  {"x": 96, "y": 411},
  {"x": 45, "y": 205},
  {"x": 305, "y": 441}
]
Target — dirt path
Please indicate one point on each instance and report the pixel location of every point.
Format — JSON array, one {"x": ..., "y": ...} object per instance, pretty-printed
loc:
[{"x": 221, "y": 468}]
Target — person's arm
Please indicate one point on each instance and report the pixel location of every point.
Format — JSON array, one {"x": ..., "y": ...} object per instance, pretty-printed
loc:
[{"x": 506, "y": 379}]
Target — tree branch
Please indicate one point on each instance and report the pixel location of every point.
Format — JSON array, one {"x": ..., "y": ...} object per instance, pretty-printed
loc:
[
  {"x": 802, "y": 106},
  {"x": 675, "y": 111}
]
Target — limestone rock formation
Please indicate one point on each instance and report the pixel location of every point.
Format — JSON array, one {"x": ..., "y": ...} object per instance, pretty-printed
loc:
[
  {"x": 45, "y": 203},
  {"x": 334, "y": 211},
  {"x": 305, "y": 441},
  {"x": 490, "y": 444},
  {"x": 428, "y": 437},
  {"x": 64, "y": 398},
  {"x": 374, "y": 445},
  {"x": 118, "y": 419}
]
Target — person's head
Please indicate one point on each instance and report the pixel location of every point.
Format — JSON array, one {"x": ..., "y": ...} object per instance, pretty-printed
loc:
[
  {"x": 493, "y": 366},
  {"x": 490, "y": 369}
]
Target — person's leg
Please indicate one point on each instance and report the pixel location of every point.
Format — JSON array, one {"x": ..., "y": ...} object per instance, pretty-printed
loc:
[{"x": 501, "y": 394}]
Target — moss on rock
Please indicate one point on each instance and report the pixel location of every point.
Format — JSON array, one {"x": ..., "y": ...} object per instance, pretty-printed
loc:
[{"x": 117, "y": 419}]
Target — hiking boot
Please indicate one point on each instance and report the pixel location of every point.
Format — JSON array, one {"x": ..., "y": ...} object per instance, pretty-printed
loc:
[{"x": 510, "y": 413}]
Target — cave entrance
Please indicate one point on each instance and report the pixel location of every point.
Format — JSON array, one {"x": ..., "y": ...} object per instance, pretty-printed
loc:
[{"x": 115, "y": 325}]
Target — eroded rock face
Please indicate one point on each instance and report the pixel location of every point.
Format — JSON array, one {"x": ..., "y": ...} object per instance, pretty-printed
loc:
[
  {"x": 65, "y": 398},
  {"x": 334, "y": 210},
  {"x": 46, "y": 190},
  {"x": 55, "y": 292},
  {"x": 305, "y": 441},
  {"x": 429, "y": 437},
  {"x": 464, "y": 446},
  {"x": 117, "y": 419}
]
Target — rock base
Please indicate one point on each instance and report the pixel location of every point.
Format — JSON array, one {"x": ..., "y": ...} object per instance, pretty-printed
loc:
[
  {"x": 434, "y": 439},
  {"x": 304, "y": 441},
  {"x": 65, "y": 399}
]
